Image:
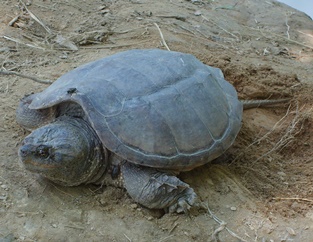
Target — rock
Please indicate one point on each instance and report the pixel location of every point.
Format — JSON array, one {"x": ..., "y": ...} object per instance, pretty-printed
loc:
[
  {"x": 134, "y": 205},
  {"x": 291, "y": 231}
]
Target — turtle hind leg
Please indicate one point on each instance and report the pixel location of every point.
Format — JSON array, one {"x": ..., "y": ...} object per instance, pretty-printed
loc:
[{"x": 155, "y": 189}]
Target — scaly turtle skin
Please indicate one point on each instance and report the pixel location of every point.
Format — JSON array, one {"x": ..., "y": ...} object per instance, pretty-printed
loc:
[{"x": 152, "y": 113}]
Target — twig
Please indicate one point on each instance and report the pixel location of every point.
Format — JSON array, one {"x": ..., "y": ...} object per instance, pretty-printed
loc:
[
  {"x": 210, "y": 20},
  {"x": 311, "y": 36},
  {"x": 218, "y": 230},
  {"x": 293, "y": 198},
  {"x": 222, "y": 226},
  {"x": 293, "y": 41},
  {"x": 193, "y": 34},
  {"x": 33, "y": 16},
  {"x": 172, "y": 229},
  {"x": 20, "y": 42},
  {"x": 74, "y": 227},
  {"x": 127, "y": 238},
  {"x": 62, "y": 191},
  {"x": 25, "y": 76},
  {"x": 184, "y": 28},
  {"x": 288, "y": 27},
  {"x": 114, "y": 46},
  {"x": 165, "y": 238},
  {"x": 163, "y": 40},
  {"x": 31, "y": 213},
  {"x": 280, "y": 36},
  {"x": 11, "y": 23},
  {"x": 227, "y": 7},
  {"x": 181, "y": 18},
  {"x": 127, "y": 30}
]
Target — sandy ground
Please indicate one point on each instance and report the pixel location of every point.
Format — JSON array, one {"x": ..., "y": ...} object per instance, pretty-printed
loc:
[{"x": 259, "y": 190}]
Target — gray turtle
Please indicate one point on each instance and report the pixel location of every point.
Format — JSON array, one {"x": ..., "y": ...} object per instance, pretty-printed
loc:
[{"x": 142, "y": 115}]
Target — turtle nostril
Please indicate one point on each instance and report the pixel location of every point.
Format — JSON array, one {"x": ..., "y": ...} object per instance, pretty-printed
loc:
[{"x": 24, "y": 151}]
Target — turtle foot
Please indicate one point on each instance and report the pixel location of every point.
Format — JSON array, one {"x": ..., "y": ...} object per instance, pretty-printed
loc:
[{"x": 156, "y": 189}]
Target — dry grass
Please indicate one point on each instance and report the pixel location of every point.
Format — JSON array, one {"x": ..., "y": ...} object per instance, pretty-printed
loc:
[{"x": 281, "y": 135}]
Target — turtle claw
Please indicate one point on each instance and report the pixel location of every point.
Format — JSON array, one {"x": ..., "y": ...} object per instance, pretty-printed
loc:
[{"x": 184, "y": 203}]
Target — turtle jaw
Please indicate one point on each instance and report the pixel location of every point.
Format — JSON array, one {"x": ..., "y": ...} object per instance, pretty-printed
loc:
[
  {"x": 29, "y": 153},
  {"x": 34, "y": 160}
]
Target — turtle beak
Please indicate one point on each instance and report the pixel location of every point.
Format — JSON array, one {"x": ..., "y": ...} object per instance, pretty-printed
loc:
[
  {"x": 28, "y": 154},
  {"x": 26, "y": 150},
  {"x": 25, "y": 153}
]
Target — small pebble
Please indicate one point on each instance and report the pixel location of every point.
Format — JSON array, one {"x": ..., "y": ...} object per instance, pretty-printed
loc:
[
  {"x": 101, "y": 7},
  {"x": 291, "y": 231},
  {"x": 134, "y": 206},
  {"x": 198, "y": 13},
  {"x": 21, "y": 215},
  {"x": 103, "y": 202},
  {"x": 280, "y": 173},
  {"x": 5, "y": 187}
]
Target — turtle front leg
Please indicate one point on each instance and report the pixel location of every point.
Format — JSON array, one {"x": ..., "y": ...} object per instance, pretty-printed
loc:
[
  {"x": 155, "y": 189},
  {"x": 31, "y": 119}
]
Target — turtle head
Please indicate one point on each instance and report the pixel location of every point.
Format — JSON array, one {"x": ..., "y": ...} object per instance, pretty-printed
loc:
[{"x": 67, "y": 152}]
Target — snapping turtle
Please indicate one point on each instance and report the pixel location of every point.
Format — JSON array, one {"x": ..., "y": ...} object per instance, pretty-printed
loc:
[{"x": 142, "y": 115}]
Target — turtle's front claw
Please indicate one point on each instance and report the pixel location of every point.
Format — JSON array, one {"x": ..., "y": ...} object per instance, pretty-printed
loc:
[{"x": 184, "y": 202}]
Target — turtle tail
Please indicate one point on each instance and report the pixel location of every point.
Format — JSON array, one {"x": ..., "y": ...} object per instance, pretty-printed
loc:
[{"x": 262, "y": 103}]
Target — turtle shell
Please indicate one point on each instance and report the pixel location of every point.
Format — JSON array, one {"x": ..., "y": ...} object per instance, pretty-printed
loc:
[{"x": 155, "y": 108}]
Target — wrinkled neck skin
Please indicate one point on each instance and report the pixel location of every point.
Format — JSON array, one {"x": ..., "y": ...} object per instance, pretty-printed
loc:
[
  {"x": 113, "y": 175},
  {"x": 66, "y": 151}
]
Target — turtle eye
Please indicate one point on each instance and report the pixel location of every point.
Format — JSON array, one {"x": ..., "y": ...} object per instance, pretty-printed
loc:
[{"x": 43, "y": 151}]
